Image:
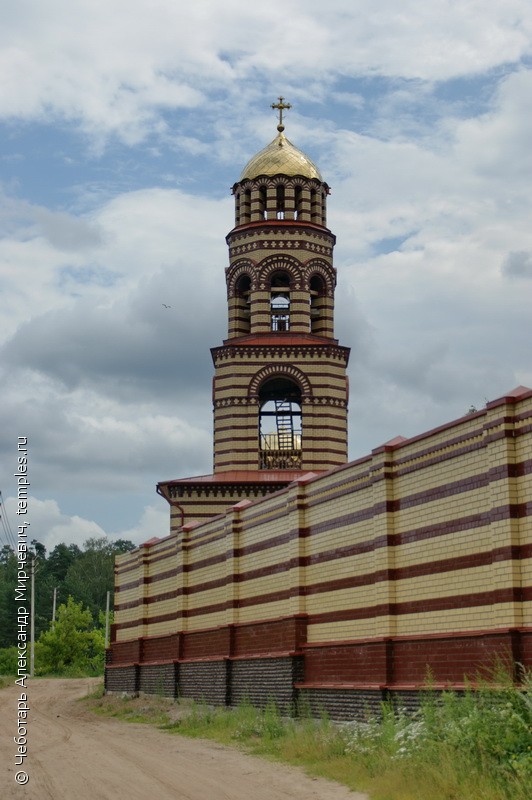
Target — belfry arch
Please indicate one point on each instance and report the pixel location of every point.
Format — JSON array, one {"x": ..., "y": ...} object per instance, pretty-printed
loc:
[
  {"x": 280, "y": 289},
  {"x": 280, "y": 424},
  {"x": 279, "y": 371}
]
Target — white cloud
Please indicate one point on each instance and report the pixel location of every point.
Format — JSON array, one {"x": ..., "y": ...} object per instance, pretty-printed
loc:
[
  {"x": 154, "y": 521},
  {"x": 49, "y": 526},
  {"x": 424, "y": 138},
  {"x": 115, "y": 68}
]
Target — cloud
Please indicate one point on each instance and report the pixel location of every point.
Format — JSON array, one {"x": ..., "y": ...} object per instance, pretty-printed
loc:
[
  {"x": 66, "y": 232},
  {"x": 517, "y": 264},
  {"x": 133, "y": 344},
  {"x": 85, "y": 439},
  {"x": 153, "y": 522},
  {"x": 48, "y": 525},
  {"x": 115, "y": 70},
  {"x": 125, "y": 125}
]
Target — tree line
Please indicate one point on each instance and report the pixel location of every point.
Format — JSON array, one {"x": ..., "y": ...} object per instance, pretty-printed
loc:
[{"x": 81, "y": 578}]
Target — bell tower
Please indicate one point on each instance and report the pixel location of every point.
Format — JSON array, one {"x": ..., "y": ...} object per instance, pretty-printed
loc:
[{"x": 280, "y": 388}]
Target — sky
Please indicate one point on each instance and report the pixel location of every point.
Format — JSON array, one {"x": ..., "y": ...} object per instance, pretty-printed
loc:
[{"x": 123, "y": 126}]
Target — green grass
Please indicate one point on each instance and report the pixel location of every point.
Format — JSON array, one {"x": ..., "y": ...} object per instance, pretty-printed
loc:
[
  {"x": 472, "y": 747},
  {"x": 151, "y": 710},
  {"x": 6, "y": 680}
]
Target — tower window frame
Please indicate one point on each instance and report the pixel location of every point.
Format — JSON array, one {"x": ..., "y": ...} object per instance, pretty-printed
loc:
[
  {"x": 280, "y": 201},
  {"x": 280, "y": 424},
  {"x": 317, "y": 291},
  {"x": 280, "y": 288},
  {"x": 242, "y": 299},
  {"x": 263, "y": 202}
]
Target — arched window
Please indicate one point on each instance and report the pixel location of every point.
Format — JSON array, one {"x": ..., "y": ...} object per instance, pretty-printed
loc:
[
  {"x": 280, "y": 207},
  {"x": 280, "y": 424},
  {"x": 262, "y": 202},
  {"x": 317, "y": 295},
  {"x": 280, "y": 301},
  {"x": 243, "y": 304},
  {"x": 243, "y": 286}
]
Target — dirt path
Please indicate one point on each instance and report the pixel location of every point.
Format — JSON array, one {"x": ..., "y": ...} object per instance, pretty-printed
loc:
[{"x": 73, "y": 755}]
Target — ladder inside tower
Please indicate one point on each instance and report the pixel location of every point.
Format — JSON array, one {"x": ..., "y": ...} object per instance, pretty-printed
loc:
[
  {"x": 280, "y": 433},
  {"x": 285, "y": 425}
]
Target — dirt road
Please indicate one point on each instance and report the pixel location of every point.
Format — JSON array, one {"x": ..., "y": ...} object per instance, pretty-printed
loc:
[{"x": 74, "y": 755}]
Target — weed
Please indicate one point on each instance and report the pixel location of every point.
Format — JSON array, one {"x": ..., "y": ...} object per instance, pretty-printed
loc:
[{"x": 475, "y": 744}]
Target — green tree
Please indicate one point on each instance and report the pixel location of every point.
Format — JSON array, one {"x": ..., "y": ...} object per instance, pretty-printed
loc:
[
  {"x": 123, "y": 545},
  {"x": 71, "y": 645},
  {"x": 60, "y": 559},
  {"x": 91, "y": 575}
]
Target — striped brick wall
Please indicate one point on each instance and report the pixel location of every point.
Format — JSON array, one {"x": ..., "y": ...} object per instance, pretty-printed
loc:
[{"x": 417, "y": 556}]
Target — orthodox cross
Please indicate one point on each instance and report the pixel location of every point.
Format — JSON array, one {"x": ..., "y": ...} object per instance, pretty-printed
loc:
[{"x": 280, "y": 106}]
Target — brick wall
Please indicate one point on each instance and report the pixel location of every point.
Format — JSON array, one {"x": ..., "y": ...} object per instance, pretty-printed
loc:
[
  {"x": 261, "y": 680},
  {"x": 122, "y": 679},
  {"x": 417, "y": 556},
  {"x": 342, "y": 704},
  {"x": 204, "y": 681},
  {"x": 158, "y": 679}
]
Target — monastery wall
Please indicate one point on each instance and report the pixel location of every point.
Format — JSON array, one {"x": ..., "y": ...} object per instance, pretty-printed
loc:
[{"x": 344, "y": 586}]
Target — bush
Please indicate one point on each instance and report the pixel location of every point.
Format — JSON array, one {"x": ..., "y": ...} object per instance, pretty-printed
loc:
[
  {"x": 8, "y": 660},
  {"x": 71, "y": 647},
  {"x": 481, "y": 740}
]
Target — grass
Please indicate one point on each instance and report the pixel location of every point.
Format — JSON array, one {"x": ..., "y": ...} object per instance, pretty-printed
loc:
[
  {"x": 472, "y": 747},
  {"x": 6, "y": 680}
]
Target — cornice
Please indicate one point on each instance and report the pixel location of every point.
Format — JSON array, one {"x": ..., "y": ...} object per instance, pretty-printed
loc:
[
  {"x": 247, "y": 400},
  {"x": 280, "y": 245},
  {"x": 291, "y": 228},
  {"x": 190, "y": 489},
  {"x": 226, "y": 352}
]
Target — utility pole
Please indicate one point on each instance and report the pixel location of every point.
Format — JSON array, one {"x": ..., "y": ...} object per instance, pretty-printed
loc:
[
  {"x": 32, "y": 618},
  {"x": 53, "y": 607},
  {"x": 107, "y": 621}
]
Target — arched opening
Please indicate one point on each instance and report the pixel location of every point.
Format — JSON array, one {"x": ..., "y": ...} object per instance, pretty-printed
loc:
[
  {"x": 317, "y": 294},
  {"x": 280, "y": 302},
  {"x": 243, "y": 286},
  {"x": 279, "y": 201},
  {"x": 280, "y": 424},
  {"x": 243, "y": 304},
  {"x": 262, "y": 202}
]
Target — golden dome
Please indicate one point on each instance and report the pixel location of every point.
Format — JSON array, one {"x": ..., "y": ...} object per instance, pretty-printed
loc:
[{"x": 280, "y": 157}]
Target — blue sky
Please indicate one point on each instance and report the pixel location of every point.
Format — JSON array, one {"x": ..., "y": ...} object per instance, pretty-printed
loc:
[{"x": 123, "y": 127}]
